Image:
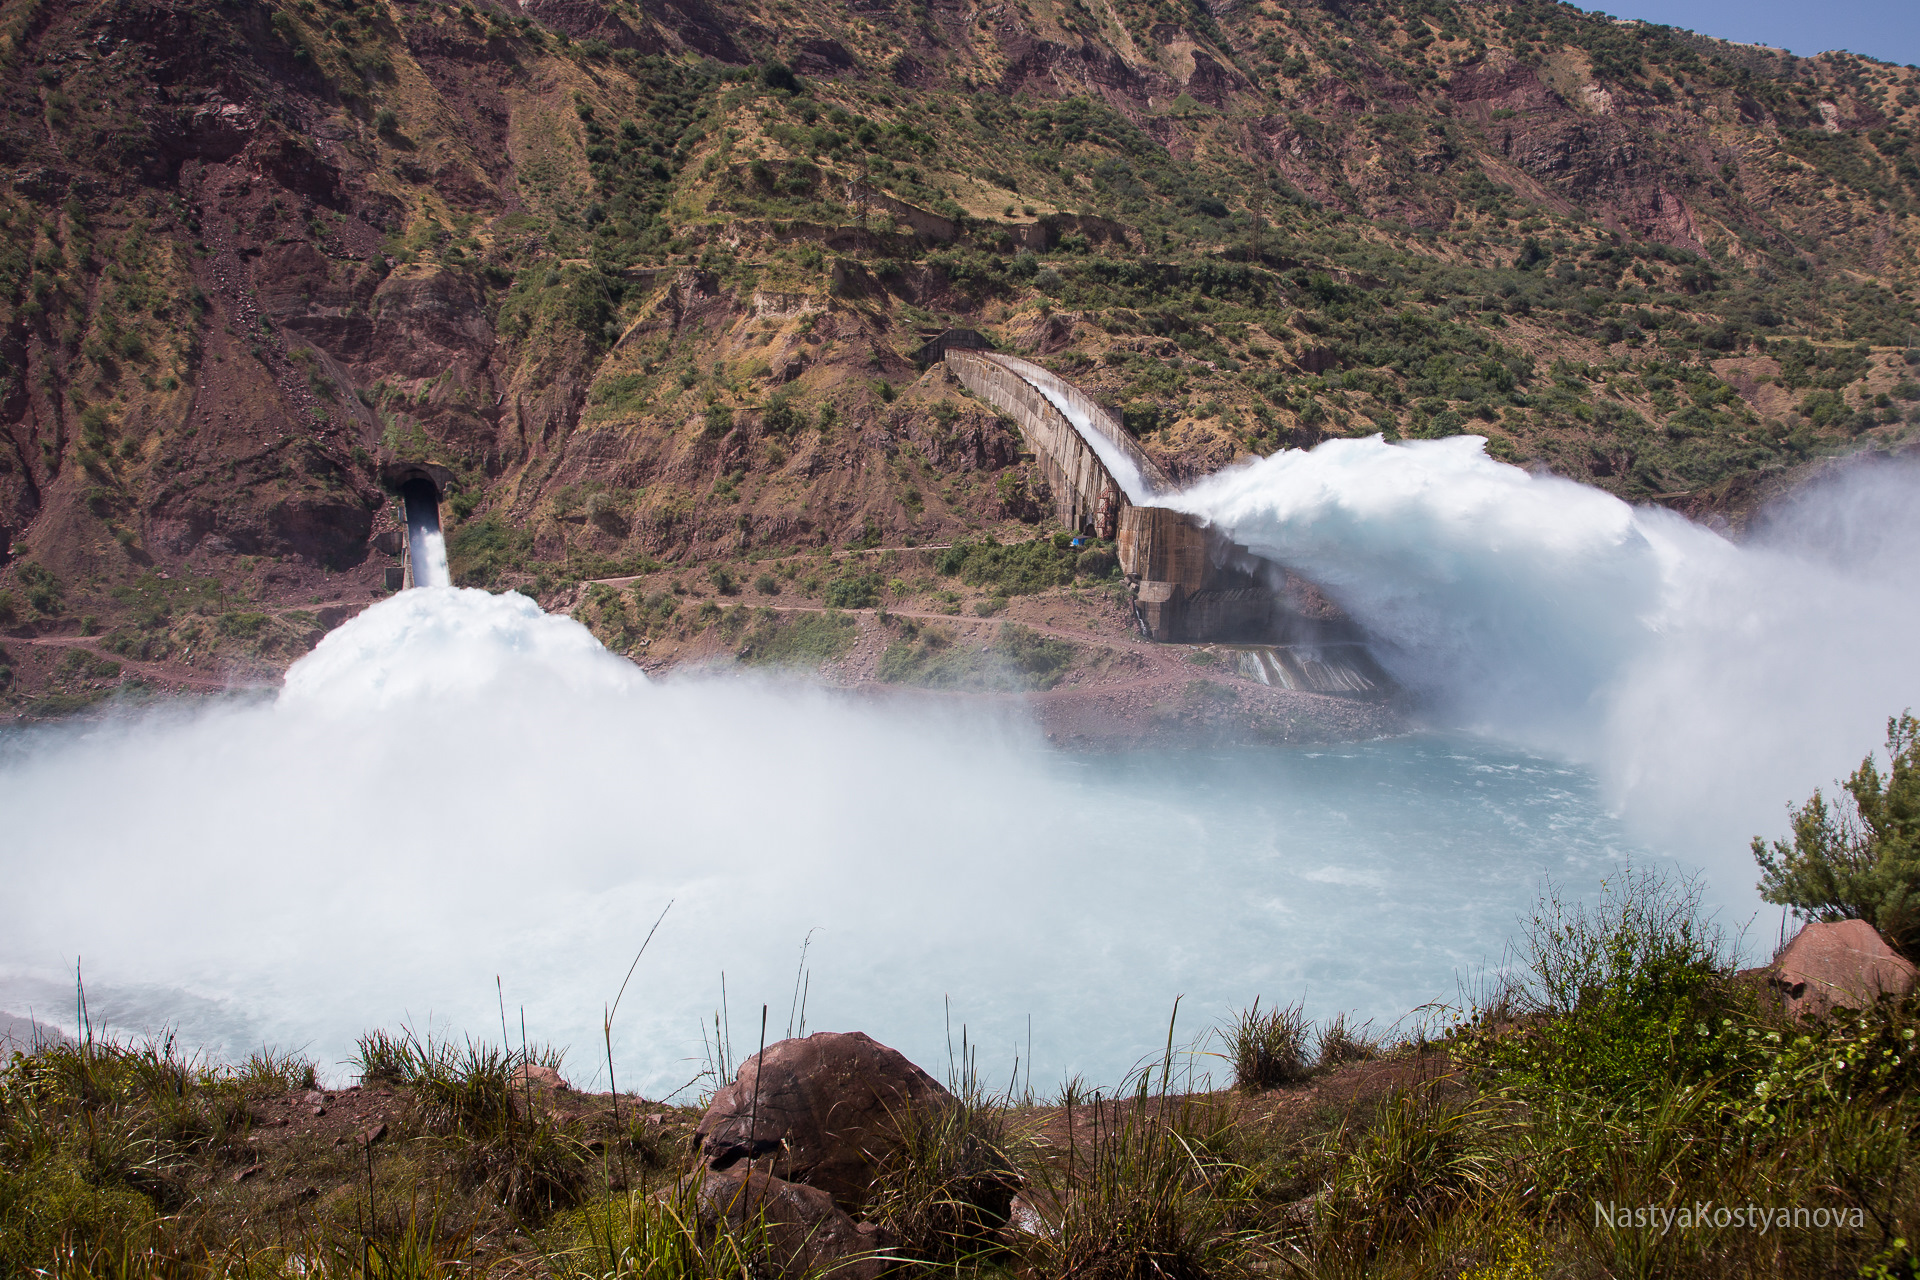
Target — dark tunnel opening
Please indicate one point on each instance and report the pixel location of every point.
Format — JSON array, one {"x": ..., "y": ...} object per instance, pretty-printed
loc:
[{"x": 426, "y": 549}]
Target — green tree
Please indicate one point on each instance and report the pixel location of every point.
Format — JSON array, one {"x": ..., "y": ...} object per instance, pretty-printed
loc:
[{"x": 1859, "y": 856}]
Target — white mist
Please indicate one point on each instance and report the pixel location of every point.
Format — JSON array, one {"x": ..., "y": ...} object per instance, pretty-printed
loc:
[{"x": 1709, "y": 684}]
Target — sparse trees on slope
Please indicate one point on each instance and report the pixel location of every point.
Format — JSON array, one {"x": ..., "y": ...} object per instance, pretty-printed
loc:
[{"x": 1857, "y": 857}]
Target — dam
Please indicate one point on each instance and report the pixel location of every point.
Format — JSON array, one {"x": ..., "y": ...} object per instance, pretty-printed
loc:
[{"x": 1190, "y": 583}]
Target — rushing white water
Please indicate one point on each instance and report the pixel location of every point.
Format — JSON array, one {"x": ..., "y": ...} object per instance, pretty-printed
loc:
[
  {"x": 1123, "y": 469},
  {"x": 1708, "y": 683},
  {"x": 430, "y": 558},
  {"x": 426, "y": 545},
  {"x": 455, "y": 786}
]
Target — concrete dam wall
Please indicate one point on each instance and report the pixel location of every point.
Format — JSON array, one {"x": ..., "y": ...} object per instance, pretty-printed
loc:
[
  {"x": 1085, "y": 495},
  {"x": 1190, "y": 582}
]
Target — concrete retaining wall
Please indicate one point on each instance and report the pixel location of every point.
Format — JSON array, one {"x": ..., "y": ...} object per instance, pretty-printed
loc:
[
  {"x": 1084, "y": 495},
  {"x": 1099, "y": 419},
  {"x": 1168, "y": 553},
  {"x": 1191, "y": 583}
]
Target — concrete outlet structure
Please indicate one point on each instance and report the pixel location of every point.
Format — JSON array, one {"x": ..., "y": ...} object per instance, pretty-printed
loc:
[{"x": 1191, "y": 583}]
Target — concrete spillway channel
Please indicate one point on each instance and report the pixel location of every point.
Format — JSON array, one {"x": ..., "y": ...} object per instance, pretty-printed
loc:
[
  {"x": 424, "y": 551},
  {"x": 1191, "y": 583}
]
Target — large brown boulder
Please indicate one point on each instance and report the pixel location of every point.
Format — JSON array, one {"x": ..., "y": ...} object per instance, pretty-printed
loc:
[
  {"x": 819, "y": 1111},
  {"x": 1845, "y": 963},
  {"x": 807, "y": 1234}
]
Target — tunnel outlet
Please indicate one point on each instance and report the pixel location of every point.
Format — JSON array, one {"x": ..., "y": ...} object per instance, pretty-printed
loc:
[{"x": 426, "y": 564}]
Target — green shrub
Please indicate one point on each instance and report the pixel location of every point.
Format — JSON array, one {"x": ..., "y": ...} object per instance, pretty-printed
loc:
[
  {"x": 1862, "y": 1057},
  {"x": 383, "y": 1058},
  {"x": 242, "y": 624},
  {"x": 781, "y": 418},
  {"x": 481, "y": 551},
  {"x": 1097, "y": 563},
  {"x": 1020, "y": 569},
  {"x": 664, "y": 1236},
  {"x": 917, "y": 661},
  {"x": 1860, "y": 857},
  {"x": 1038, "y": 660},
  {"x": 766, "y": 584},
  {"x": 82, "y": 664},
  {"x": 945, "y": 1185},
  {"x": 42, "y": 588},
  {"x": 800, "y": 639},
  {"x": 1620, "y": 998},
  {"x": 1421, "y": 1157},
  {"x": 854, "y": 589},
  {"x": 475, "y": 1092},
  {"x": 1144, "y": 1194},
  {"x": 1341, "y": 1043}
]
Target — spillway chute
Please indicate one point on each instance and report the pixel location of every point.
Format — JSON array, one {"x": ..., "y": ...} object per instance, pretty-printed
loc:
[
  {"x": 420, "y": 486},
  {"x": 1191, "y": 582}
]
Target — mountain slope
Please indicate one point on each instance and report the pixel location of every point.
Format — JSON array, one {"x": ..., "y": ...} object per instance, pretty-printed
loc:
[{"x": 649, "y": 281}]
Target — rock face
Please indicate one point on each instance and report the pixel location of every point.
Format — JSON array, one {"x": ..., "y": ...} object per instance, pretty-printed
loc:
[
  {"x": 1845, "y": 963},
  {"x": 819, "y": 1110},
  {"x": 807, "y": 1233}
]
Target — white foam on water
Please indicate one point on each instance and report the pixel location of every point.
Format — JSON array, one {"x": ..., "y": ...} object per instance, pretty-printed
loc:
[
  {"x": 456, "y": 785},
  {"x": 1708, "y": 683},
  {"x": 443, "y": 645}
]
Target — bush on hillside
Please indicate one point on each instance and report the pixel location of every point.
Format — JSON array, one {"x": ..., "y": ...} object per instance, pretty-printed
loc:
[
  {"x": 1619, "y": 998},
  {"x": 1023, "y": 568},
  {"x": 799, "y": 639},
  {"x": 1859, "y": 857},
  {"x": 854, "y": 590}
]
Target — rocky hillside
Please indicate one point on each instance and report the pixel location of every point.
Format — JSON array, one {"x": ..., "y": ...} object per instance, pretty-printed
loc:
[{"x": 649, "y": 281}]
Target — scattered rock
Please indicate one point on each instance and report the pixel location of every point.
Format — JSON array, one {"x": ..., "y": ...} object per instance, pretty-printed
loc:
[
  {"x": 821, "y": 1107},
  {"x": 1023, "y": 1219},
  {"x": 370, "y": 1136},
  {"x": 1843, "y": 963},
  {"x": 241, "y": 1175},
  {"x": 546, "y": 1077},
  {"x": 807, "y": 1233}
]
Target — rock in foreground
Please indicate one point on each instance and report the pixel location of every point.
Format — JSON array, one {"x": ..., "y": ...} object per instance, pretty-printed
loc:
[{"x": 819, "y": 1111}]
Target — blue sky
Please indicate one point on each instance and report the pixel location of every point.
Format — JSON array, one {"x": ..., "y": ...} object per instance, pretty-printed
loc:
[{"x": 1884, "y": 29}]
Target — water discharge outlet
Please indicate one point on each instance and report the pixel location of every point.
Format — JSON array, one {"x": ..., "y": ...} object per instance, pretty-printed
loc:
[
  {"x": 1191, "y": 582},
  {"x": 426, "y": 548}
]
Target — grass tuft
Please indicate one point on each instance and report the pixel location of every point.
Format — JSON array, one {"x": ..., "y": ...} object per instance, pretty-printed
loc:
[{"x": 1269, "y": 1049}]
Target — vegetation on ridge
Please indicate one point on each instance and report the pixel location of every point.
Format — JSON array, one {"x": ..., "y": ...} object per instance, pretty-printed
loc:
[{"x": 648, "y": 283}]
